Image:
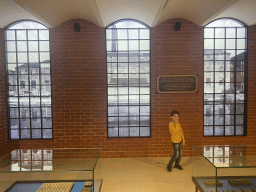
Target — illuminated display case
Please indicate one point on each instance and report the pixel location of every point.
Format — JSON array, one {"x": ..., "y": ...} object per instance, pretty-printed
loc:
[
  {"x": 224, "y": 168},
  {"x": 35, "y": 169}
]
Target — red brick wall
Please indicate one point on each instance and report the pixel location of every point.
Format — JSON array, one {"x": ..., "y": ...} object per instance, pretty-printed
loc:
[
  {"x": 251, "y": 105},
  {"x": 79, "y": 91},
  {"x": 3, "y": 113},
  {"x": 176, "y": 53}
]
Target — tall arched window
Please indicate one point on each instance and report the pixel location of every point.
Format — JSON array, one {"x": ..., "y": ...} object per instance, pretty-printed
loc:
[
  {"x": 128, "y": 79},
  {"x": 28, "y": 80},
  {"x": 225, "y": 72}
]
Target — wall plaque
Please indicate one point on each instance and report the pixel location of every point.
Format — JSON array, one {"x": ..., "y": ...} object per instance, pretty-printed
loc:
[{"x": 177, "y": 83}]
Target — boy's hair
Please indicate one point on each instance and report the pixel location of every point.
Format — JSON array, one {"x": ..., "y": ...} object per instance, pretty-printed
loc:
[{"x": 174, "y": 112}]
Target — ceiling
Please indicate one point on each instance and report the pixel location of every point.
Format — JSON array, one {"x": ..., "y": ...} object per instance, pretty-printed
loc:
[{"x": 104, "y": 12}]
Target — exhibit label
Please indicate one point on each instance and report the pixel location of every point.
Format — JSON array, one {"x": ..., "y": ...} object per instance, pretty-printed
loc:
[{"x": 177, "y": 83}]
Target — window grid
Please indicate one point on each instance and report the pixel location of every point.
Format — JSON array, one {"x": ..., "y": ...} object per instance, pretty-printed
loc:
[
  {"x": 33, "y": 123},
  {"x": 129, "y": 84},
  {"x": 236, "y": 62}
]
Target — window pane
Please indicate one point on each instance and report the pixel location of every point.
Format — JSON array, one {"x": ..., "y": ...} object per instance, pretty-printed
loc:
[
  {"x": 122, "y": 110},
  {"x": 219, "y": 130},
  {"x": 36, "y": 133},
  {"x": 122, "y": 33},
  {"x": 133, "y": 34},
  {"x": 208, "y": 65},
  {"x": 123, "y": 132},
  {"x": 208, "y": 44},
  {"x": 208, "y": 120},
  {"x": 145, "y": 121},
  {"x": 219, "y": 109},
  {"x": 123, "y": 121},
  {"x": 133, "y": 45},
  {"x": 209, "y": 33},
  {"x": 230, "y": 43},
  {"x": 21, "y": 35},
  {"x": 25, "y": 133},
  {"x": 134, "y": 131},
  {"x": 219, "y": 120},
  {"x": 229, "y": 119},
  {"x": 230, "y": 32},
  {"x": 14, "y": 123},
  {"x": 219, "y": 44},
  {"x": 10, "y": 34},
  {"x": 32, "y": 35},
  {"x": 15, "y": 134},
  {"x": 47, "y": 133},
  {"x": 112, "y": 132},
  {"x": 145, "y": 131},
  {"x": 44, "y": 45},
  {"x": 219, "y": 32},
  {"x": 208, "y": 130},
  {"x": 122, "y": 45},
  {"x": 239, "y": 130},
  {"x": 229, "y": 130},
  {"x": 229, "y": 109},
  {"x": 144, "y": 44},
  {"x": 43, "y": 34},
  {"x": 24, "y": 123},
  {"x": 241, "y": 32},
  {"x": 134, "y": 121}
]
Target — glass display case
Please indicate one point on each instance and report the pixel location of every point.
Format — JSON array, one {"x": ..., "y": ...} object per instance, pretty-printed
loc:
[
  {"x": 37, "y": 170},
  {"x": 224, "y": 168}
]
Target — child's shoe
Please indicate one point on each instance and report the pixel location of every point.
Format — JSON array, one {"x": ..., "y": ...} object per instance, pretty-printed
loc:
[
  {"x": 178, "y": 166},
  {"x": 169, "y": 168}
]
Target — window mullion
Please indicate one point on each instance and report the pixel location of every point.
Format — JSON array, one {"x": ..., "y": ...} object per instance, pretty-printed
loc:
[
  {"x": 18, "y": 82},
  {"x": 224, "y": 81},
  {"x": 214, "y": 100},
  {"x": 235, "y": 81}
]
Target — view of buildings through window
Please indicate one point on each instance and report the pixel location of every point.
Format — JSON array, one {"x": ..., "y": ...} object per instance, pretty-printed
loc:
[
  {"x": 128, "y": 79},
  {"x": 225, "y": 56},
  {"x": 28, "y": 81}
]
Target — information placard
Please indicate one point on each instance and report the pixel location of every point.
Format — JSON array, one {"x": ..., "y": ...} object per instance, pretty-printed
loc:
[{"x": 177, "y": 83}]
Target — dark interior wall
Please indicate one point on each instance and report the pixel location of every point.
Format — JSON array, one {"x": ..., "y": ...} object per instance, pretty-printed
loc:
[{"x": 79, "y": 95}]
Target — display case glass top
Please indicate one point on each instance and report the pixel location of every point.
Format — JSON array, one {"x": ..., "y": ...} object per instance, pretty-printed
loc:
[
  {"x": 224, "y": 168},
  {"x": 229, "y": 156},
  {"x": 50, "y": 160}
]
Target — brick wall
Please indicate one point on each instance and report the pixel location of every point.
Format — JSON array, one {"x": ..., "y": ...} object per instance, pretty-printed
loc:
[
  {"x": 251, "y": 105},
  {"x": 176, "y": 53},
  {"x": 3, "y": 113},
  {"x": 79, "y": 91}
]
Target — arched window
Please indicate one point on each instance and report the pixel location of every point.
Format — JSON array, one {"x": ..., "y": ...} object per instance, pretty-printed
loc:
[
  {"x": 128, "y": 79},
  {"x": 225, "y": 70},
  {"x": 28, "y": 80}
]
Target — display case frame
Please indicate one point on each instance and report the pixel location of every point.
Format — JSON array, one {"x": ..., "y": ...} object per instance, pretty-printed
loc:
[
  {"x": 36, "y": 167},
  {"x": 224, "y": 168}
]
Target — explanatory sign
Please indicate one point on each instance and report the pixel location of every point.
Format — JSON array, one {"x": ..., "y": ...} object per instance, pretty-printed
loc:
[{"x": 177, "y": 83}]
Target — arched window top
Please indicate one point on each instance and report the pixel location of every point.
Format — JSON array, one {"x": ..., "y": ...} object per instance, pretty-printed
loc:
[
  {"x": 26, "y": 25},
  {"x": 127, "y": 24},
  {"x": 225, "y": 22}
]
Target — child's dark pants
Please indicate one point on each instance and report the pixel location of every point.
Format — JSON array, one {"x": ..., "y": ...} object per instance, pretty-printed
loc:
[{"x": 177, "y": 147}]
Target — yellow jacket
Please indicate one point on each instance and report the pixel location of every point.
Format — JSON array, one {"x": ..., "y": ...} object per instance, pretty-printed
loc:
[{"x": 176, "y": 132}]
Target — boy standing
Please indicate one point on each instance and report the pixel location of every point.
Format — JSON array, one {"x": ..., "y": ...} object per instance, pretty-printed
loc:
[{"x": 177, "y": 140}]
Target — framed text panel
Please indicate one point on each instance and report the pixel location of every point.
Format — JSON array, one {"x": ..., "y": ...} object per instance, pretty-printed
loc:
[{"x": 177, "y": 84}]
